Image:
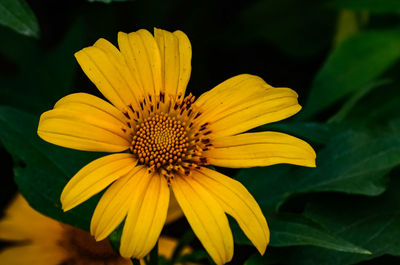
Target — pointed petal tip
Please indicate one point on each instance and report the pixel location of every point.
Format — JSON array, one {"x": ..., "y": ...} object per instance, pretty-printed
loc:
[
  {"x": 262, "y": 249},
  {"x": 262, "y": 246},
  {"x": 95, "y": 233},
  {"x": 99, "y": 237},
  {"x": 66, "y": 206}
]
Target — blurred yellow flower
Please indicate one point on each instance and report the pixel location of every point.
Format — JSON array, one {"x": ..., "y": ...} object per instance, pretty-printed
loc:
[
  {"x": 166, "y": 140},
  {"x": 41, "y": 240}
]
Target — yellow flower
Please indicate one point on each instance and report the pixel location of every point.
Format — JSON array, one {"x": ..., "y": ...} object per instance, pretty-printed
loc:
[
  {"x": 44, "y": 241},
  {"x": 163, "y": 141}
]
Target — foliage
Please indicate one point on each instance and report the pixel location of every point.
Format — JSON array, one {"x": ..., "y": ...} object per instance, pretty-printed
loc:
[
  {"x": 17, "y": 15},
  {"x": 343, "y": 65}
]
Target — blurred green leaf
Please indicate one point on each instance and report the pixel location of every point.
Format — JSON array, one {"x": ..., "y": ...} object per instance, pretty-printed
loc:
[
  {"x": 349, "y": 23},
  {"x": 356, "y": 62},
  {"x": 352, "y": 162},
  {"x": 312, "y": 132},
  {"x": 295, "y": 230},
  {"x": 115, "y": 236},
  {"x": 16, "y": 14},
  {"x": 304, "y": 29},
  {"x": 395, "y": 126},
  {"x": 42, "y": 169},
  {"x": 374, "y": 6},
  {"x": 352, "y": 101},
  {"x": 376, "y": 109},
  {"x": 42, "y": 77},
  {"x": 373, "y": 223}
]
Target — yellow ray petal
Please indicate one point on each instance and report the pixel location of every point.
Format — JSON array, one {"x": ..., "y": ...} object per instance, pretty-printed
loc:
[
  {"x": 237, "y": 202},
  {"x": 115, "y": 202},
  {"x": 260, "y": 149},
  {"x": 176, "y": 55},
  {"x": 85, "y": 122},
  {"x": 244, "y": 102},
  {"x": 142, "y": 55},
  {"x": 22, "y": 223},
  {"x": 206, "y": 217},
  {"x": 33, "y": 254},
  {"x": 129, "y": 87},
  {"x": 146, "y": 217},
  {"x": 106, "y": 68},
  {"x": 95, "y": 177}
]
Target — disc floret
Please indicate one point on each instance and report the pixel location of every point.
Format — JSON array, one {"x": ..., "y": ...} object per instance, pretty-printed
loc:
[
  {"x": 166, "y": 135},
  {"x": 161, "y": 141}
]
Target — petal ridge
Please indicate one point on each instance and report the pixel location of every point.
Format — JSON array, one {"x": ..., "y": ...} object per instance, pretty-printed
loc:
[
  {"x": 260, "y": 149},
  {"x": 94, "y": 177},
  {"x": 237, "y": 202}
]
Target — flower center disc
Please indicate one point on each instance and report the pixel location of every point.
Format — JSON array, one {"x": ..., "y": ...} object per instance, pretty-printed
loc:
[{"x": 160, "y": 141}]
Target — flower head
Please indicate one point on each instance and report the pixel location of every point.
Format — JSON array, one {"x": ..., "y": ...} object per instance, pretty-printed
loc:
[
  {"x": 42, "y": 240},
  {"x": 163, "y": 141}
]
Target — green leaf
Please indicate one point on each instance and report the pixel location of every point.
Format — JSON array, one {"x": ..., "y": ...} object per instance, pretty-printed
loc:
[
  {"x": 373, "y": 6},
  {"x": 395, "y": 126},
  {"x": 356, "y": 62},
  {"x": 17, "y": 15},
  {"x": 352, "y": 162},
  {"x": 312, "y": 132},
  {"x": 352, "y": 101},
  {"x": 373, "y": 223},
  {"x": 42, "y": 169},
  {"x": 42, "y": 77},
  {"x": 295, "y": 32},
  {"x": 376, "y": 109},
  {"x": 295, "y": 230},
  {"x": 348, "y": 24}
]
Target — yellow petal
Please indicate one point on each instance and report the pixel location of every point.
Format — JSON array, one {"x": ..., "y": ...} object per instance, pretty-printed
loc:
[
  {"x": 115, "y": 202},
  {"x": 244, "y": 102},
  {"x": 129, "y": 87},
  {"x": 260, "y": 149},
  {"x": 106, "y": 68},
  {"x": 206, "y": 217},
  {"x": 237, "y": 202},
  {"x": 142, "y": 55},
  {"x": 84, "y": 122},
  {"x": 146, "y": 216},
  {"x": 95, "y": 177},
  {"x": 33, "y": 254},
  {"x": 22, "y": 223},
  {"x": 176, "y": 55}
]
